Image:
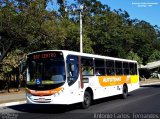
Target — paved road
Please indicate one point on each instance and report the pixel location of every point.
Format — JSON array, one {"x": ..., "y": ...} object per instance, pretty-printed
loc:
[{"x": 138, "y": 104}]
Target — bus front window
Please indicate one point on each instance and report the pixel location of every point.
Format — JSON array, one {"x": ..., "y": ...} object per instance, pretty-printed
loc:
[
  {"x": 46, "y": 74},
  {"x": 55, "y": 71}
]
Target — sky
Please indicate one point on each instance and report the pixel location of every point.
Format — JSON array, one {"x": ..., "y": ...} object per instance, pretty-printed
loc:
[{"x": 147, "y": 10}]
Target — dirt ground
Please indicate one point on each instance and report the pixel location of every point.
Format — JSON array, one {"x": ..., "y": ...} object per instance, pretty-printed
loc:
[{"x": 12, "y": 91}]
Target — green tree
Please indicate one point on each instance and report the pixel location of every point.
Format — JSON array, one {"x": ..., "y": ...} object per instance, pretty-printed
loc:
[
  {"x": 62, "y": 8},
  {"x": 144, "y": 36},
  {"x": 27, "y": 26},
  {"x": 134, "y": 56},
  {"x": 155, "y": 56}
]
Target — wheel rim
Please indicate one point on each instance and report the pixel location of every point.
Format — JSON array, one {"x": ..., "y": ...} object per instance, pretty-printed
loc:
[
  {"x": 125, "y": 91},
  {"x": 87, "y": 100}
]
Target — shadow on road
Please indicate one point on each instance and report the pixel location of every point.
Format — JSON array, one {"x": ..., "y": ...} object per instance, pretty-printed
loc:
[
  {"x": 48, "y": 109},
  {"x": 108, "y": 99},
  {"x": 57, "y": 109}
]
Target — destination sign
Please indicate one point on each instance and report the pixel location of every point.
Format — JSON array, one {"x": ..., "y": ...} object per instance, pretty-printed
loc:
[{"x": 46, "y": 55}]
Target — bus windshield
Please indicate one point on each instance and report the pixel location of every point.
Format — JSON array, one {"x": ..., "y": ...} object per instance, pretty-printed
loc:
[{"x": 46, "y": 72}]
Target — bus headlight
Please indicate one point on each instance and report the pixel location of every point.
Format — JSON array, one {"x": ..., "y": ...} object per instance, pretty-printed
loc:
[{"x": 58, "y": 93}]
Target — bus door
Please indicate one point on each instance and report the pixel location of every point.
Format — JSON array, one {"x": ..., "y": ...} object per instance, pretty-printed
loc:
[{"x": 72, "y": 69}]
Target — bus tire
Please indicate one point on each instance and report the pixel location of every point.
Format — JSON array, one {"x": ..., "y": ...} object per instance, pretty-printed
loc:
[
  {"x": 86, "y": 100},
  {"x": 125, "y": 92}
]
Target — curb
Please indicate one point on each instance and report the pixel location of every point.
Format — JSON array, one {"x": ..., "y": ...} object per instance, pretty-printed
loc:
[
  {"x": 149, "y": 84},
  {"x": 12, "y": 103}
]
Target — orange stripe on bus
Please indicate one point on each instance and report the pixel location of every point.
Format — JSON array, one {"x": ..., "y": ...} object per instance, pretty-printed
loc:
[
  {"x": 116, "y": 80},
  {"x": 45, "y": 92}
]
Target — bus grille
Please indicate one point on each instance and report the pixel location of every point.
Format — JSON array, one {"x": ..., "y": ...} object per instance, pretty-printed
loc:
[{"x": 42, "y": 100}]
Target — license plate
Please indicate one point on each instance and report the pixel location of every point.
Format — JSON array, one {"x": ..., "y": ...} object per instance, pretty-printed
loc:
[{"x": 41, "y": 100}]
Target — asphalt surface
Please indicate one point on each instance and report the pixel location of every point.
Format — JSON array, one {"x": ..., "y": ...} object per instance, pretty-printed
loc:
[{"x": 142, "y": 103}]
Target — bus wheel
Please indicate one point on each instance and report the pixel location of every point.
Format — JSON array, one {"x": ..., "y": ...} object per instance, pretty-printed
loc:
[
  {"x": 86, "y": 100},
  {"x": 125, "y": 92}
]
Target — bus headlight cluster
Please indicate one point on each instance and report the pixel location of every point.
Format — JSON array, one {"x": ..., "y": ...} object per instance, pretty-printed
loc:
[{"x": 59, "y": 92}]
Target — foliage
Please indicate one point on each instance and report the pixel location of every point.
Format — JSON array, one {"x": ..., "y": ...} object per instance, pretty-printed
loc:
[
  {"x": 155, "y": 56},
  {"x": 133, "y": 56},
  {"x": 27, "y": 26}
]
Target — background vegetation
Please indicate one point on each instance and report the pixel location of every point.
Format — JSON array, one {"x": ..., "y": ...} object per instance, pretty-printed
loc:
[{"x": 30, "y": 25}]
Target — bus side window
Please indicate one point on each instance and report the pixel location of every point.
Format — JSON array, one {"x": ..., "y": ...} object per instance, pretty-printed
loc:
[
  {"x": 99, "y": 67},
  {"x": 131, "y": 68},
  {"x": 87, "y": 71},
  {"x": 135, "y": 68},
  {"x": 118, "y": 66},
  {"x": 110, "y": 67},
  {"x": 126, "y": 68},
  {"x": 87, "y": 66}
]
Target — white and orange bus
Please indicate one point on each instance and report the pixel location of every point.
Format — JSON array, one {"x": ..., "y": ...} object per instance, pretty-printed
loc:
[{"x": 67, "y": 77}]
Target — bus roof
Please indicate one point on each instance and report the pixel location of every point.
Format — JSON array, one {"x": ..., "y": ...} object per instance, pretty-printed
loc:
[{"x": 87, "y": 55}]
